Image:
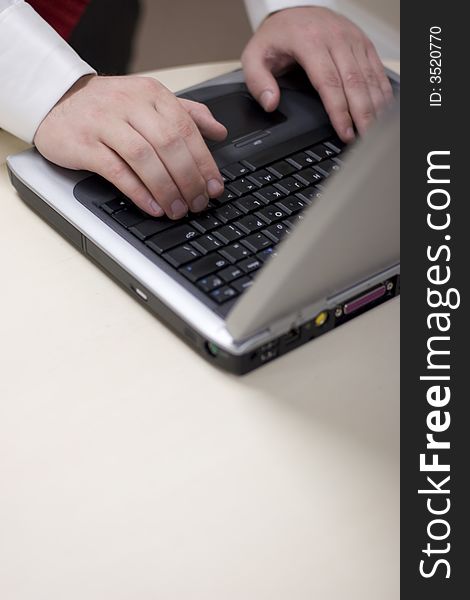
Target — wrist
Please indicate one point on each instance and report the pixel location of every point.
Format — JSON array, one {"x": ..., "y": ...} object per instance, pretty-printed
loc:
[{"x": 77, "y": 86}]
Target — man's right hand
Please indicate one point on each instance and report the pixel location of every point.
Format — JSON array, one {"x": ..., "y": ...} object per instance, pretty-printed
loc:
[{"x": 136, "y": 134}]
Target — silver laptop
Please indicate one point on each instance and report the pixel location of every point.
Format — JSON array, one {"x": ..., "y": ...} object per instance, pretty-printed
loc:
[{"x": 305, "y": 237}]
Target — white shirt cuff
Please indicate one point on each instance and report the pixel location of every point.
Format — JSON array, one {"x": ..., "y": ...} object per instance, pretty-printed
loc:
[
  {"x": 37, "y": 67},
  {"x": 258, "y": 10}
]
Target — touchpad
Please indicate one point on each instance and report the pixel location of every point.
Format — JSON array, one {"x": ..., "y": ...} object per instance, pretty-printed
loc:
[{"x": 242, "y": 115}]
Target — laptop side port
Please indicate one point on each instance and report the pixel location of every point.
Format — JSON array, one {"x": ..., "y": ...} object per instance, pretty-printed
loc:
[
  {"x": 268, "y": 355},
  {"x": 292, "y": 336},
  {"x": 319, "y": 324},
  {"x": 359, "y": 304},
  {"x": 291, "y": 340},
  {"x": 140, "y": 292},
  {"x": 267, "y": 352},
  {"x": 212, "y": 349},
  {"x": 355, "y": 305}
]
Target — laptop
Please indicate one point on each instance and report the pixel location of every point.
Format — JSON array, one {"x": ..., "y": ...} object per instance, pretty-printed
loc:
[{"x": 304, "y": 238}]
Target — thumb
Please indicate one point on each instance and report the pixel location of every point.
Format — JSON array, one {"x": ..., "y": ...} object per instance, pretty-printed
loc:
[{"x": 260, "y": 80}]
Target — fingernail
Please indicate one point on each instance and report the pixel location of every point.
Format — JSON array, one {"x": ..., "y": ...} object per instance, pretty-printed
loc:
[
  {"x": 156, "y": 208},
  {"x": 265, "y": 98},
  {"x": 350, "y": 133},
  {"x": 178, "y": 208},
  {"x": 214, "y": 188},
  {"x": 199, "y": 203}
]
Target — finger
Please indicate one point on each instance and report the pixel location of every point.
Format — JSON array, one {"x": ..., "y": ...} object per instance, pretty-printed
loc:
[
  {"x": 384, "y": 81},
  {"x": 210, "y": 127},
  {"x": 360, "y": 103},
  {"x": 107, "y": 163},
  {"x": 197, "y": 148},
  {"x": 205, "y": 163},
  {"x": 259, "y": 78},
  {"x": 370, "y": 76},
  {"x": 170, "y": 111},
  {"x": 177, "y": 158},
  {"x": 324, "y": 76},
  {"x": 142, "y": 158},
  {"x": 205, "y": 120},
  {"x": 167, "y": 135}
]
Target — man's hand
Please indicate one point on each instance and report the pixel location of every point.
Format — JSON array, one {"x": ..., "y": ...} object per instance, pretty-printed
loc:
[
  {"x": 134, "y": 132},
  {"x": 340, "y": 61}
]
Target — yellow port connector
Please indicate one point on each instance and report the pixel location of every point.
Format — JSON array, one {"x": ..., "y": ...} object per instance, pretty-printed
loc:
[{"x": 321, "y": 318}]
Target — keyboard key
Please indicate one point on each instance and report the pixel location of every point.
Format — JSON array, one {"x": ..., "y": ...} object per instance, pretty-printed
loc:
[
  {"x": 223, "y": 294},
  {"x": 289, "y": 185},
  {"x": 228, "y": 234},
  {"x": 171, "y": 238},
  {"x": 249, "y": 265},
  {"x": 309, "y": 194},
  {"x": 116, "y": 204},
  {"x": 249, "y": 224},
  {"x": 309, "y": 176},
  {"x": 335, "y": 144},
  {"x": 276, "y": 232},
  {"x": 129, "y": 217},
  {"x": 242, "y": 284},
  {"x": 262, "y": 177},
  {"x": 282, "y": 169},
  {"x": 204, "y": 266},
  {"x": 294, "y": 220},
  {"x": 256, "y": 242},
  {"x": 207, "y": 284},
  {"x": 235, "y": 252},
  {"x": 269, "y": 194},
  {"x": 181, "y": 255},
  {"x": 248, "y": 204},
  {"x": 327, "y": 167},
  {"x": 235, "y": 170},
  {"x": 242, "y": 186},
  {"x": 266, "y": 254},
  {"x": 291, "y": 205},
  {"x": 230, "y": 273},
  {"x": 269, "y": 155},
  {"x": 205, "y": 222},
  {"x": 150, "y": 227},
  {"x": 206, "y": 244},
  {"x": 302, "y": 160},
  {"x": 271, "y": 214},
  {"x": 227, "y": 213},
  {"x": 227, "y": 196},
  {"x": 320, "y": 152},
  {"x": 338, "y": 160}
]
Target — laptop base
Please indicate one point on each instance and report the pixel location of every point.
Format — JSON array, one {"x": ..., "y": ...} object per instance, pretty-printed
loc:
[{"x": 238, "y": 364}]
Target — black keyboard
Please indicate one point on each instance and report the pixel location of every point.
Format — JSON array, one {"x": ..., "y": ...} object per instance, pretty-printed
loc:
[{"x": 221, "y": 249}]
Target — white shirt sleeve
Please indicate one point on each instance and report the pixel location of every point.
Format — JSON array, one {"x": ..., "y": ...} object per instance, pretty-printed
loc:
[
  {"x": 37, "y": 67},
  {"x": 259, "y": 9}
]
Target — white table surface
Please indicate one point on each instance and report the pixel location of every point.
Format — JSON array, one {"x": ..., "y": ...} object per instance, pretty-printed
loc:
[{"x": 130, "y": 469}]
